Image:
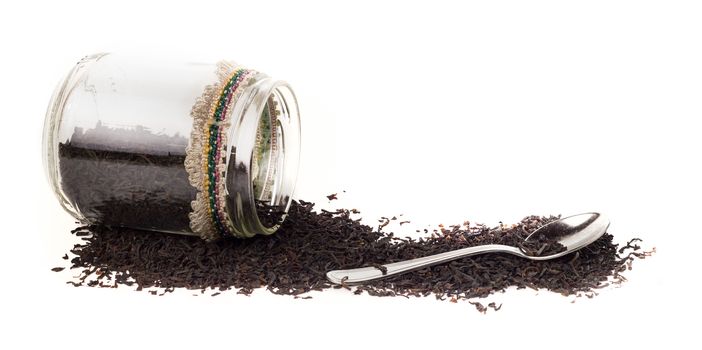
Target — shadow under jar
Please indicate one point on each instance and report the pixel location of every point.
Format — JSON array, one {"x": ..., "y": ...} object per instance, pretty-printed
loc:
[{"x": 201, "y": 149}]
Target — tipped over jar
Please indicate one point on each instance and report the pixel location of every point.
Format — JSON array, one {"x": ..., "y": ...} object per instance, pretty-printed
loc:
[{"x": 201, "y": 149}]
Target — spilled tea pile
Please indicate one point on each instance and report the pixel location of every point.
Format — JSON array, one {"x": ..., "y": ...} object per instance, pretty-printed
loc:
[{"x": 294, "y": 260}]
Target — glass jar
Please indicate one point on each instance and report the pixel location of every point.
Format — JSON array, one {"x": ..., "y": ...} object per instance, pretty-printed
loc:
[{"x": 202, "y": 149}]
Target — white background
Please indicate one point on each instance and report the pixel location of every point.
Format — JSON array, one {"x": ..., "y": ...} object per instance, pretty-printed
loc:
[{"x": 486, "y": 111}]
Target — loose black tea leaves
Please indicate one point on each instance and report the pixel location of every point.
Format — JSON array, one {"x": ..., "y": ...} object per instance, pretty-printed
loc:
[
  {"x": 295, "y": 259},
  {"x": 541, "y": 246},
  {"x": 495, "y": 306},
  {"x": 270, "y": 215},
  {"x": 383, "y": 269},
  {"x": 478, "y": 306},
  {"x": 126, "y": 186}
]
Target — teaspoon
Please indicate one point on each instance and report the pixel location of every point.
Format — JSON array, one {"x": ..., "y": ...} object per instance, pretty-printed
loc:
[{"x": 573, "y": 232}]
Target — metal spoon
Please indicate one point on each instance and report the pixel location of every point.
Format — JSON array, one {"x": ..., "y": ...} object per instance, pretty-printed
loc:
[{"x": 573, "y": 232}]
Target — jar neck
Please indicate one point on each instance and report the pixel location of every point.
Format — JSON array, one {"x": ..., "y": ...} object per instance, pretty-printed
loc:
[{"x": 263, "y": 156}]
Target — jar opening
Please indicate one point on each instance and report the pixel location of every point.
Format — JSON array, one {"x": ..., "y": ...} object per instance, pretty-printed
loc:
[
  {"x": 267, "y": 156},
  {"x": 267, "y": 165}
]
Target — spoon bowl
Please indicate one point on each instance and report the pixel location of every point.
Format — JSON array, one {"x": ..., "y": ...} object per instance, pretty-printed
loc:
[{"x": 572, "y": 232}]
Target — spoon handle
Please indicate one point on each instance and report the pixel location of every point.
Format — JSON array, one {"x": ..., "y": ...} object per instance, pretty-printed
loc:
[{"x": 371, "y": 273}]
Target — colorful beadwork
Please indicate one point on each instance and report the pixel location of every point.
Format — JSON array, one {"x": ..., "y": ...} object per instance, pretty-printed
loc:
[
  {"x": 206, "y": 157},
  {"x": 215, "y": 151}
]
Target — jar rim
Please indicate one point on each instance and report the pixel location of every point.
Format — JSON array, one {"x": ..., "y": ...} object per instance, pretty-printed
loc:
[{"x": 241, "y": 202}]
